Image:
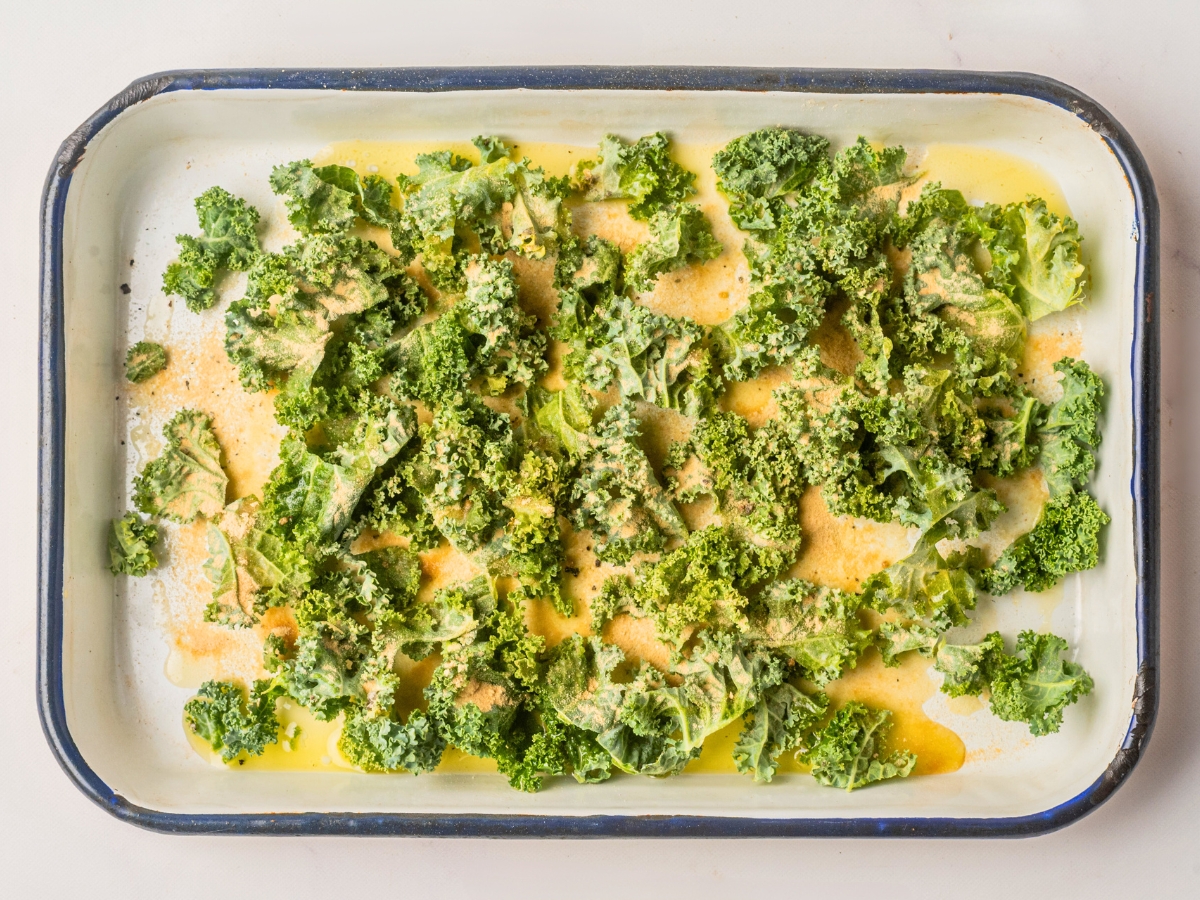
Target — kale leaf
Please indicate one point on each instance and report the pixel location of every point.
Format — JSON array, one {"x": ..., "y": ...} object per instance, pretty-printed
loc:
[
  {"x": 131, "y": 545},
  {"x": 848, "y": 752},
  {"x": 186, "y": 480},
  {"x": 1033, "y": 686},
  {"x": 144, "y": 360},
  {"x": 642, "y": 172},
  {"x": 228, "y": 240},
  {"x": 221, "y": 714}
]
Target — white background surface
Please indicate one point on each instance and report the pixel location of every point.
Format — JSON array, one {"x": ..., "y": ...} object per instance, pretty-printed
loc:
[{"x": 59, "y": 61}]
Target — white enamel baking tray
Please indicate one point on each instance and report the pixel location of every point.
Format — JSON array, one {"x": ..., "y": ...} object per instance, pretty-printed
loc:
[{"x": 121, "y": 188}]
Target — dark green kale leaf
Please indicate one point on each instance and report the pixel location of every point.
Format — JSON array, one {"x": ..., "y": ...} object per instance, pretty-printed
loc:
[
  {"x": 330, "y": 198},
  {"x": 483, "y": 697},
  {"x": 782, "y": 720},
  {"x": 758, "y": 171},
  {"x": 678, "y": 235},
  {"x": 617, "y": 495},
  {"x": 943, "y": 279},
  {"x": 1066, "y": 539},
  {"x": 144, "y": 360},
  {"x": 186, "y": 480},
  {"x": 131, "y": 545},
  {"x": 642, "y": 172},
  {"x": 221, "y": 714},
  {"x": 906, "y": 456},
  {"x": 848, "y": 752},
  {"x": 227, "y": 240},
  {"x": 818, "y": 628},
  {"x": 1033, "y": 686},
  {"x": 1070, "y": 433}
]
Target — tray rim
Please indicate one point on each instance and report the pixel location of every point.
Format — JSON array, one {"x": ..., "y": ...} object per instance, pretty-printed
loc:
[{"x": 52, "y": 415}]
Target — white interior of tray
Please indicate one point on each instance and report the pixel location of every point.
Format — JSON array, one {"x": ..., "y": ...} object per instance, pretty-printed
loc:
[{"x": 132, "y": 194}]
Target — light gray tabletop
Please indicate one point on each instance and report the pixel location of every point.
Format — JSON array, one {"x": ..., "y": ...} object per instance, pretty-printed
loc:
[{"x": 60, "y": 60}]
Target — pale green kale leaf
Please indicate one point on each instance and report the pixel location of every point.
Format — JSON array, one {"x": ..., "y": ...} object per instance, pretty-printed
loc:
[{"x": 186, "y": 480}]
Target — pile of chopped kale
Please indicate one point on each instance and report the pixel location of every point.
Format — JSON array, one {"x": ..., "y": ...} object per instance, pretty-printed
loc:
[{"x": 411, "y": 382}]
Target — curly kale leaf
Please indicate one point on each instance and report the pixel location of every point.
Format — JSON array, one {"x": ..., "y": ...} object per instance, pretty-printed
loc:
[
  {"x": 507, "y": 348},
  {"x": 848, "y": 753},
  {"x": 277, "y": 334},
  {"x": 1070, "y": 434},
  {"x": 186, "y": 480},
  {"x": 924, "y": 586},
  {"x": 358, "y": 354},
  {"x": 228, "y": 240},
  {"x": 534, "y": 542},
  {"x": 678, "y": 235},
  {"x": 383, "y": 744},
  {"x": 563, "y": 418},
  {"x": 756, "y": 481},
  {"x": 313, "y": 495},
  {"x": 144, "y": 360},
  {"x": 649, "y": 725},
  {"x": 482, "y": 698},
  {"x": 131, "y": 545},
  {"x": 252, "y": 565},
  {"x": 1036, "y": 256},
  {"x": 617, "y": 495},
  {"x": 648, "y": 356},
  {"x": 816, "y": 627},
  {"x": 588, "y": 274},
  {"x": 943, "y": 279},
  {"x": 330, "y": 198},
  {"x": 231, "y": 723},
  {"x": 343, "y": 655},
  {"x": 1034, "y": 685},
  {"x": 833, "y": 239},
  {"x": 895, "y": 638},
  {"x": 907, "y": 456},
  {"x": 781, "y": 720},
  {"x": 466, "y": 461},
  {"x": 450, "y": 200},
  {"x": 758, "y": 171},
  {"x": 484, "y": 338},
  {"x": 642, "y": 172},
  {"x": 704, "y": 583},
  {"x": 965, "y": 667},
  {"x": 772, "y": 329},
  {"x": 1066, "y": 539}
]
